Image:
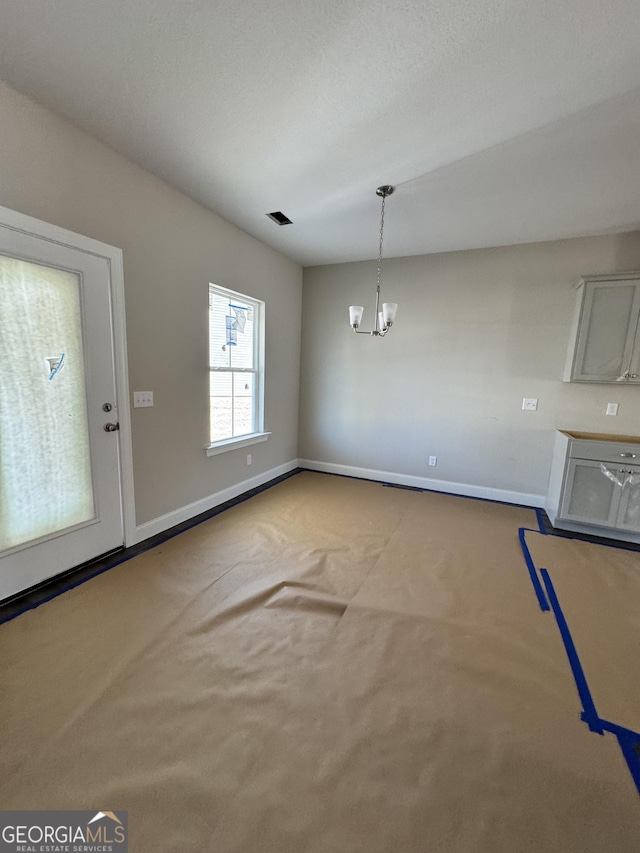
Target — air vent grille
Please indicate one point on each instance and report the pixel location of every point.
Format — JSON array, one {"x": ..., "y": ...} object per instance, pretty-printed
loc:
[{"x": 279, "y": 217}]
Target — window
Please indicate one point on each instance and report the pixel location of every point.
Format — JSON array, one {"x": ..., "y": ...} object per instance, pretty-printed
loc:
[{"x": 236, "y": 370}]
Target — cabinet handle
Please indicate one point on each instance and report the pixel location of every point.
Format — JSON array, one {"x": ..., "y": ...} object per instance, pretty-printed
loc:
[{"x": 628, "y": 455}]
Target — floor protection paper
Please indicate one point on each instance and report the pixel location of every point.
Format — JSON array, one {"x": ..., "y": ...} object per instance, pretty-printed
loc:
[
  {"x": 331, "y": 666},
  {"x": 593, "y": 592}
]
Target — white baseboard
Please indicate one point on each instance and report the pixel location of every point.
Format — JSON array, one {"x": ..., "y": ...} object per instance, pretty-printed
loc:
[
  {"x": 170, "y": 519},
  {"x": 177, "y": 516},
  {"x": 484, "y": 492}
]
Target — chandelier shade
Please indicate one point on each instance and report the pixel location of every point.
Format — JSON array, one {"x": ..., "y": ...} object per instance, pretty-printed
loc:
[{"x": 355, "y": 314}]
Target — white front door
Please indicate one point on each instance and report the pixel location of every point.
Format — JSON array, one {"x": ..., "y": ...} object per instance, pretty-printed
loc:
[{"x": 61, "y": 490}]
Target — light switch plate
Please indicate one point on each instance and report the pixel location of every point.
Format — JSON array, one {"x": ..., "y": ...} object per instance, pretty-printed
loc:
[
  {"x": 612, "y": 409},
  {"x": 529, "y": 404},
  {"x": 142, "y": 398}
]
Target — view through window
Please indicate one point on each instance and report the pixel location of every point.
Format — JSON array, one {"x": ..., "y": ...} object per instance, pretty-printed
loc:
[{"x": 235, "y": 364}]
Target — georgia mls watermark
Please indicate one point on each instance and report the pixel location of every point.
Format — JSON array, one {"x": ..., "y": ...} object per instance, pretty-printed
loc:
[{"x": 63, "y": 832}]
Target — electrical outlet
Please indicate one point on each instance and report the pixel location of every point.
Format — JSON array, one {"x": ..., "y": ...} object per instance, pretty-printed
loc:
[
  {"x": 433, "y": 461},
  {"x": 612, "y": 408},
  {"x": 142, "y": 398},
  {"x": 248, "y": 459},
  {"x": 529, "y": 404}
]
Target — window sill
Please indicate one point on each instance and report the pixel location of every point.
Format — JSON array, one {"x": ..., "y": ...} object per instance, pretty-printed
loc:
[{"x": 236, "y": 443}]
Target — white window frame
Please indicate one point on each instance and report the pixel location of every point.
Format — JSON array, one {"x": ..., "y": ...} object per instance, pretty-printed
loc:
[{"x": 258, "y": 435}]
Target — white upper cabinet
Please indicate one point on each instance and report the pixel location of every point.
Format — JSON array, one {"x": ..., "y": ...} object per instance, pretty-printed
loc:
[{"x": 605, "y": 340}]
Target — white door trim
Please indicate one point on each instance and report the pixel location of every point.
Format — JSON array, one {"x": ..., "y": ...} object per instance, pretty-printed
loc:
[{"x": 113, "y": 256}]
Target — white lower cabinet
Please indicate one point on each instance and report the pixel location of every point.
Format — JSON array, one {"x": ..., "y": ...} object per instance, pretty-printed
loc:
[{"x": 584, "y": 497}]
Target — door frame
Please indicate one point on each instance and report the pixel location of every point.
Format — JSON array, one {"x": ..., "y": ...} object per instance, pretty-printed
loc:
[{"x": 113, "y": 256}]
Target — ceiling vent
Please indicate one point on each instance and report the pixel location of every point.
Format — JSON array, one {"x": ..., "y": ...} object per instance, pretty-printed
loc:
[{"x": 279, "y": 217}]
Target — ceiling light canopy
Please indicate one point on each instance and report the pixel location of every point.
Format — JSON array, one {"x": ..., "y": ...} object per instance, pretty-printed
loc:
[{"x": 384, "y": 319}]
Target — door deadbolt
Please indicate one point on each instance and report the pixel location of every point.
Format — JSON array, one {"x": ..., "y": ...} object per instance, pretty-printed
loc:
[
  {"x": 106, "y": 407},
  {"x": 111, "y": 427}
]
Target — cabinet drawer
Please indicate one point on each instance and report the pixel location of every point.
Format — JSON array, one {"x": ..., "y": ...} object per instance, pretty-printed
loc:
[{"x": 622, "y": 453}]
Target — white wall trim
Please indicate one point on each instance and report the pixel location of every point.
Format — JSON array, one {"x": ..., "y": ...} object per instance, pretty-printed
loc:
[
  {"x": 170, "y": 519},
  {"x": 236, "y": 443},
  {"x": 177, "y": 516},
  {"x": 466, "y": 489},
  {"x": 122, "y": 394}
]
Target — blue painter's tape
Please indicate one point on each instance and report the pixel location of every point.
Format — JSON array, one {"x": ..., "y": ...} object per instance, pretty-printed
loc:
[
  {"x": 619, "y": 731},
  {"x": 589, "y": 714},
  {"x": 533, "y": 574},
  {"x": 540, "y": 521},
  {"x": 629, "y": 744}
]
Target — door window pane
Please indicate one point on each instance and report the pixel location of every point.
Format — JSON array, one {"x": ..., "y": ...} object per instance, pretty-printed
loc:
[{"x": 45, "y": 473}]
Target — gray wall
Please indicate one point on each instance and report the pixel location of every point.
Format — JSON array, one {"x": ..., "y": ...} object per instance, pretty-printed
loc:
[
  {"x": 172, "y": 248},
  {"x": 476, "y": 332}
]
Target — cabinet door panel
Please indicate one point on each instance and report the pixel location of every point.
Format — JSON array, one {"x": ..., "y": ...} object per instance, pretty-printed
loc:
[
  {"x": 589, "y": 496},
  {"x": 634, "y": 364},
  {"x": 629, "y": 512},
  {"x": 607, "y": 333}
]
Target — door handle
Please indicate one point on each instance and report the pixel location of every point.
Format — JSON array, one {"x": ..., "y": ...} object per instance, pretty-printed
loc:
[
  {"x": 111, "y": 427},
  {"x": 628, "y": 455}
]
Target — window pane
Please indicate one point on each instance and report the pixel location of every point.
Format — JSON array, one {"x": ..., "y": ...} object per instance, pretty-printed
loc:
[
  {"x": 221, "y": 387},
  {"x": 231, "y": 405},
  {"x": 45, "y": 468},
  {"x": 241, "y": 321},
  {"x": 242, "y": 403},
  {"x": 231, "y": 329},
  {"x": 235, "y": 359},
  {"x": 218, "y": 349}
]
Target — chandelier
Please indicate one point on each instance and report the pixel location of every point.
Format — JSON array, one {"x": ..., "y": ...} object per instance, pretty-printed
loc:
[{"x": 383, "y": 319}]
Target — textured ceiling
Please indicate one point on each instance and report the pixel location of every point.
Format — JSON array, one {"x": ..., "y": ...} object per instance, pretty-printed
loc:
[{"x": 499, "y": 121}]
